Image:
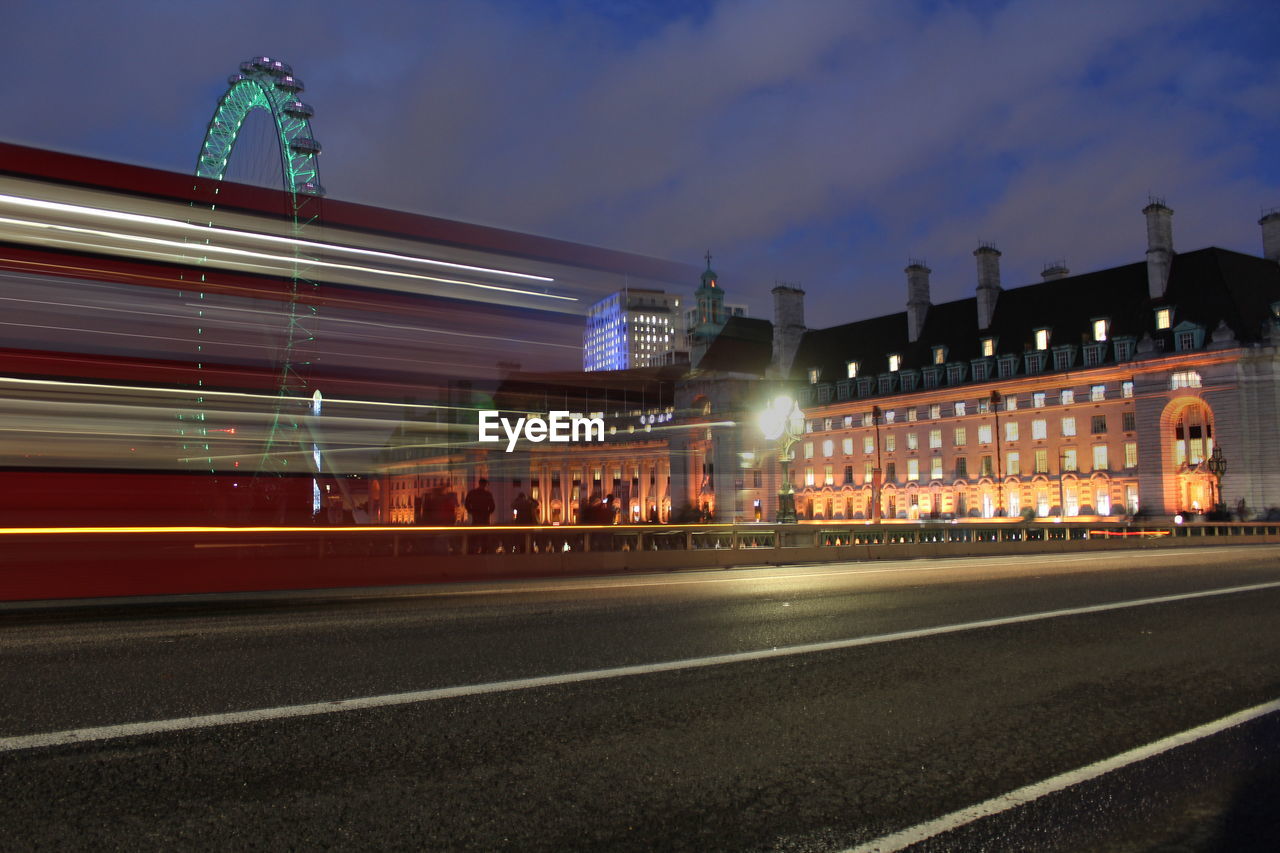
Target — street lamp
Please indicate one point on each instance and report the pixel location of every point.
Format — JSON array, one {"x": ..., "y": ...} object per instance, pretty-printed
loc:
[
  {"x": 783, "y": 422},
  {"x": 995, "y": 407},
  {"x": 877, "y": 475},
  {"x": 1217, "y": 466}
]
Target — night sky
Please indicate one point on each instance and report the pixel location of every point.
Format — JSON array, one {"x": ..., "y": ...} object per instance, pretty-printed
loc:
[{"x": 823, "y": 143}]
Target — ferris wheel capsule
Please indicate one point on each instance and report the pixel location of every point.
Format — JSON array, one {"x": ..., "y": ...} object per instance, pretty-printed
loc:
[
  {"x": 304, "y": 145},
  {"x": 297, "y": 109},
  {"x": 289, "y": 83},
  {"x": 236, "y": 78}
]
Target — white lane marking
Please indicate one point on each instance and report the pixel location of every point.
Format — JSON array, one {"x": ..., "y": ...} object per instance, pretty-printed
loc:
[
  {"x": 936, "y": 564},
  {"x": 914, "y": 835},
  {"x": 97, "y": 733}
]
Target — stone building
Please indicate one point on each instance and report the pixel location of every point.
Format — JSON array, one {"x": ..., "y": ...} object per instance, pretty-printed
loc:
[{"x": 1100, "y": 394}]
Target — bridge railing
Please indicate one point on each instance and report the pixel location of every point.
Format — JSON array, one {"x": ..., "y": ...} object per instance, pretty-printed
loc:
[{"x": 92, "y": 562}]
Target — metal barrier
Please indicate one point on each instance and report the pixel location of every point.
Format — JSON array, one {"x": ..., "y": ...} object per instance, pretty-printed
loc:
[{"x": 88, "y": 562}]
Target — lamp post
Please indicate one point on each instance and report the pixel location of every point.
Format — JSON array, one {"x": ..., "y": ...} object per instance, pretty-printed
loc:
[
  {"x": 1217, "y": 466},
  {"x": 995, "y": 407},
  {"x": 783, "y": 422},
  {"x": 877, "y": 475},
  {"x": 1062, "y": 488}
]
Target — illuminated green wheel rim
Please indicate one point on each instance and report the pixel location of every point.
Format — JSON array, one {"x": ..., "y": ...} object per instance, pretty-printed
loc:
[{"x": 267, "y": 84}]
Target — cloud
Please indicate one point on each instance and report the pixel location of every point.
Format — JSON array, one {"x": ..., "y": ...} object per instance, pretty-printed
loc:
[{"x": 816, "y": 140}]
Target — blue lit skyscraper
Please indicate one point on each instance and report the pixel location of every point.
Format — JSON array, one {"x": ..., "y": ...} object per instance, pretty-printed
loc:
[{"x": 633, "y": 328}]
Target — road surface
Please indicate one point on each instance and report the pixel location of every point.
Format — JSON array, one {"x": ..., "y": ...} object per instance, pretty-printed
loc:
[{"x": 818, "y": 708}]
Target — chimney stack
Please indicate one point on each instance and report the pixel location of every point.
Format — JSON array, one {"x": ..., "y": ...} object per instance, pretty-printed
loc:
[
  {"x": 788, "y": 328},
  {"x": 1270, "y": 223},
  {"x": 1159, "y": 246},
  {"x": 988, "y": 282},
  {"x": 917, "y": 298},
  {"x": 1055, "y": 271}
]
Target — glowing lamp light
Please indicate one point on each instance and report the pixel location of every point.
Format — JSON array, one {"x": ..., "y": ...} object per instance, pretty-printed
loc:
[{"x": 782, "y": 411}]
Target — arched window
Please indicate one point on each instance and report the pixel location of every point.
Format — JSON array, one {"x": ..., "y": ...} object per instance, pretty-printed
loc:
[{"x": 1192, "y": 435}]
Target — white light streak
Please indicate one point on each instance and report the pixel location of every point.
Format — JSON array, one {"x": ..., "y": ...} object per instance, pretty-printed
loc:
[{"x": 142, "y": 219}]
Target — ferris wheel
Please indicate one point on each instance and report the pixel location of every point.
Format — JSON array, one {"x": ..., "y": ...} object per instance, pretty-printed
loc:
[{"x": 266, "y": 84}]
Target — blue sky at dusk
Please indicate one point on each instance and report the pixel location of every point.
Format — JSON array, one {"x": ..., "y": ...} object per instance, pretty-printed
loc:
[{"x": 823, "y": 143}]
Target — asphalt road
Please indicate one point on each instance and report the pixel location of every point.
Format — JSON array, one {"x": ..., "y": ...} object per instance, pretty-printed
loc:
[{"x": 738, "y": 748}]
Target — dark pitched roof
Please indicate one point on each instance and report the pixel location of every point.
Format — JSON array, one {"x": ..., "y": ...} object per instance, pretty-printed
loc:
[
  {"x": 744, "y": 345},
  {"x": 1205, "y": 287}
]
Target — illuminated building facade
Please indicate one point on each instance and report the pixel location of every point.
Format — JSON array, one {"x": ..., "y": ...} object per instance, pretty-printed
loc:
[
  {"x": 633, "y": 328},
  {"x": 1102, "y": 394}
]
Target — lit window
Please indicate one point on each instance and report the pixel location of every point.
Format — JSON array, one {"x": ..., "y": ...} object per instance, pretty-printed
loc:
[
  {"x": 889, "y": 416},
  {"x": 1069, "y": 459},
  {"x": 1037, "y": 400},
  {"x": 1013, "y": 464},
  {"x": 868, "y": 444},
  {"x": 1042, "y": 338},
  {"x": 814, "y": 373},
  {"x": 935, "y": 411},
  {"x": 1011, "y": 431},
  {"x": 935, "y": 468},
  {"x": 1164, "y": 318},
  {"x": 890, "y": 443},
  {"x": 1011, "y": 403},
  {"x": 984, "y": 434},
  {"x": 988, "y": 346},
  {"x": 895, "y": 361},
  {"x": 959, "y": 410},
  {"x": 808, "y": 476},
  {"x": 867, "y": 418},
  {"x": 1097, "y": 393},
  {"x": 939, "y": 355},
  {"x": 851, "y": 367},
  {"x": 1067, "y": 397},
  {"x": 1039, "y": 429},
  {"x": 912, "y": 414},
  {"x": 1184, "y": 379},
  {"x": 1068, "y": 426},
  {"x": 960, "y": 437},
  {"x": 1099, "y": 457},
  {"x": 913, "y": 470},
  {"x": 828, "y": 476},
  {"x": 846, "y": 445},
  {"x": 828, "y": 447},
  {"x": 912, "y": 441},
  {"x": 808, "y": 450},
  {"x": 1100, "y": 330},
  {"x": 935, "y": 438},
  {"x": 1042, "y": 461}
]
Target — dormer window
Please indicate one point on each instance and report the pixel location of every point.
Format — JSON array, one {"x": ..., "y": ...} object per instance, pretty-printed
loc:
[
  {"x": 1164, "y": 318},
  {"x": 939, "y": 355},
  {"x": 814, "y": 373},
  {"x": 1100, "y": 328},
  {"x": 1042, "y": 339},
  {"x": 895, "y": 362},
  {"x": 851, "y": 369},
  {"x": 988, "y": 346}
]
